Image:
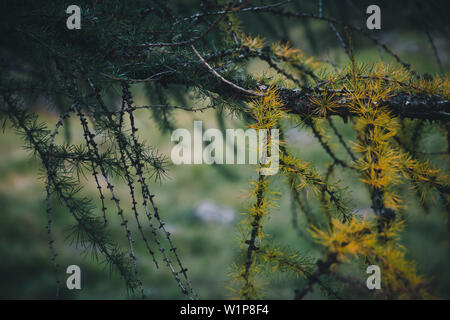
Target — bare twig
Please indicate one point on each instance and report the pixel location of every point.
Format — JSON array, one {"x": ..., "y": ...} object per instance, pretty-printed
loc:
[
  {"x": 217, "y": 75},
  {"x": 187, "y": 42},
  {"x": 154, "y": 77}
]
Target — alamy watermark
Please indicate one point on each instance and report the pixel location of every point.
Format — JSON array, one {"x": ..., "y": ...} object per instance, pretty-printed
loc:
[
  {"x": 374, "y": 280},
  {"x": 262, "y": 147},
  {"x": 74, "y": 20},
  {"x": 374, "y": 20},
  {"x": 74, "y": 280}
]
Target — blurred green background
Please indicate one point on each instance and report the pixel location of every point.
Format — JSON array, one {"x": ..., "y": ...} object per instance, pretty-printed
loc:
[{"x": 208, "y": 248}]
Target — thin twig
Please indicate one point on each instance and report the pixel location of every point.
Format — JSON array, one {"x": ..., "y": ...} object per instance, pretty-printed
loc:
[
  {"x": 187, "y": 42},
  {"x": 217, "y": 75}
]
